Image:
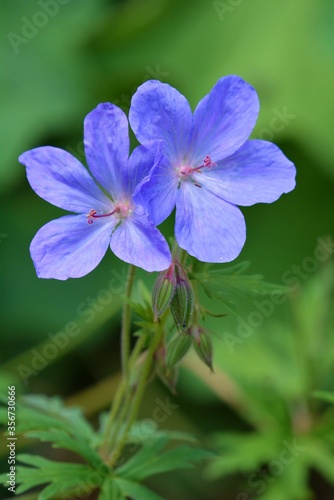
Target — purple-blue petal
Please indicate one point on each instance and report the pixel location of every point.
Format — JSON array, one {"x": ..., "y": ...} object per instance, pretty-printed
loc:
[
  {"x": 69, "y": 247},
  {"x": 138, "y": 242},
  {"x": 160, "y": 112},
  {"x": 141, "y": 162},
  {"x": 208, "y": 227},
  {"x": 224, "y": 119},
  {"x": 158, "y": 193},
  {"x": 59, "y": 178},
  {"x": 106, "y": 139},
  {"x": 257, "y": 173}
]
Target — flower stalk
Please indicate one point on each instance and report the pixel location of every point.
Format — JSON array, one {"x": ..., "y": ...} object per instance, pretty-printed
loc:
[{"x": 126, "y": 321}]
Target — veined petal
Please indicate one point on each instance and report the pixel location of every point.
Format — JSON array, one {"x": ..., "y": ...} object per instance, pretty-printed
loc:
[
  {"x": 141, "y": 161},
  {"x": 158, "y": 192},
  {"x": 59, "y": 178},
  {"x": 208, "y": 227},
  {"x": 106, "y": 139},
  {"x": 138, "y": 242},
  {"x": 69, "y": 247},
  {"x": 160, "y": 112},
  {"x": 224, "y": 119},
  {"x": 257, "y": 173}
]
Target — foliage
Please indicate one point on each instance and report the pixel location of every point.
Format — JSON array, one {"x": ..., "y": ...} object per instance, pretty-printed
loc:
[
  {"x": 101, "y": 51},
  {"x": 291, "y": 410},
  {"x": 47, "y": 419}
]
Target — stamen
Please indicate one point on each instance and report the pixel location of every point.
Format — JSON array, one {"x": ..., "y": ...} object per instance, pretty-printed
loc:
[
  {"x": 208, "y": 162},
  {"x": 92, "y": 214}
]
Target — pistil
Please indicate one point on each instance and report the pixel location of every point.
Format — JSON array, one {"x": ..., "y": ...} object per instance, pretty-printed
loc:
[
  {"x": 185, "y": 171},
  {"x": 121, "y": 209}
]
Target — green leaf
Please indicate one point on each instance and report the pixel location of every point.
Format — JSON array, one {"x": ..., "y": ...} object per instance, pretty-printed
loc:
[
  {"x": 42, "y": 413},
  {"x": 141, "y": 304},
  {"x": 144, "y": 293},
  {"x": 241, "y": 452},
  {"x": 290, "y": 483},
  {"x": 110, "y": 490},
  {"x": 151, "y": 447},
  {"x": 47, "y": 419},
  {"x": 137, "y": 435},
  {"x": 136, "y": 491},
  {"x": 142, "y": 310},
  {"x": 151, "y": 460},
  {"x": 321, "y": 456},
  {"x": 60, "y": 439},
  {"x": 66, "y": 476},
  {"x": 228, "y": 283},
  {"x": 324, "y": 395}
]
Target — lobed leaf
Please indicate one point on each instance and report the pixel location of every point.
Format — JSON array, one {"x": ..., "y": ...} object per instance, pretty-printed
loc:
[
  {"x": 151, "y": 460},
  {"x": 61, "y": 439},
  {"x": 42, "y": 413},
  {"x": 241, "y": 452},
  {"x": 65, "y": 476},
  {"x": 228, "y": 283},
  {"x": 135, "y": 491}
]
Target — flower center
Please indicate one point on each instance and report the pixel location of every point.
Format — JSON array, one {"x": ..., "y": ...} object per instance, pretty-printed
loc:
[
  {"x": 121, "y": 210},
  {"x": 185, "y": 171}
]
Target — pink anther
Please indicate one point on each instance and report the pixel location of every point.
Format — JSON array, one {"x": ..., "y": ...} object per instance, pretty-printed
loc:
[{"x": 208, "y": 162}]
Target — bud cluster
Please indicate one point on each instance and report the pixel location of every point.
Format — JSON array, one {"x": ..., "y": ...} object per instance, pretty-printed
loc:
[{"x": 173, "y": 290}]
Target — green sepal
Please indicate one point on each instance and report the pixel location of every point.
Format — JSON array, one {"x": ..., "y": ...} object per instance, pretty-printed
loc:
[{"x": 177, "y": 349}]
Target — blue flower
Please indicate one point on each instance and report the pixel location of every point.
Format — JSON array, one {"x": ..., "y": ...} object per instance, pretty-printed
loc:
[
  {"x": 208, "y": 165},
  {"x": 72, "y": 246}
]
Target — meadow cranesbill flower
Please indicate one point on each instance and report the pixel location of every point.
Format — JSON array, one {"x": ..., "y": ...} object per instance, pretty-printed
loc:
[
  {"x": 106, "y": 214},
  {"x": 208, "y": 165}
]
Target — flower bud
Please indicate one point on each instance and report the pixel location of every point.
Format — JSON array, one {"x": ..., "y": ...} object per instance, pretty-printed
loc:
[
  {"x": 163, "y": 291},
  {"x": 177, "y": 349},
  {"x": 202, "y": 344},
  {"x": 181, "y": 304}
]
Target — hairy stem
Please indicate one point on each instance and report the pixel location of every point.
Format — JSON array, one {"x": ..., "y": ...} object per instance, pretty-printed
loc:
[
  {"x": 136, "y": 401},
  {"x": 126, "y": 322},
  {"x": 125, "y": 354},
  {"x": 121, "y": 402}
]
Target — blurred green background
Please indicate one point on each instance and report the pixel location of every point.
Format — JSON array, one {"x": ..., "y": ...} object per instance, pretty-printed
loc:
[{"x": 58, "y": 61}]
